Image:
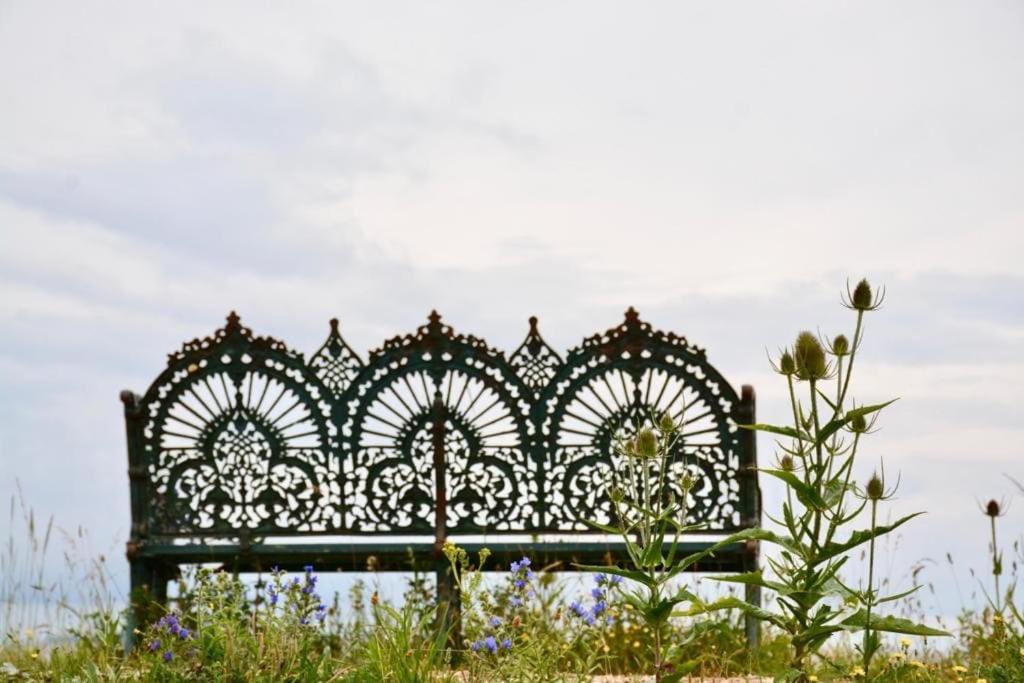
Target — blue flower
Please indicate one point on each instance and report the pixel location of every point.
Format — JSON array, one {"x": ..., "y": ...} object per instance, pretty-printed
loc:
[
  {"x": 476, "y": 646},
  {"x": 495, "y": 622},
  {"x": 517, "y": 601},
  {"x": 155, "y": 645},
  {"x": 491, "y": 644},
  {"x": 507, "y": 643},
  {"x": 597, "y": 594},
  {"x": 184, "y": 633},
  {"x": 520, "y": 584},
  {"x": 309, "y": 568},
  {"x": 168, "y": 655},
  {"x": 600, "y": 578},
  {"x": 616, "y": 579}
]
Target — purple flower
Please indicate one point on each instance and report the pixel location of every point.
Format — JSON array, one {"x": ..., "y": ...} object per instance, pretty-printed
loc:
[
  {"x": 491, "y": 644},
  {"x": 520, "y": 584},
  {"x": 184, "y": 633},
  {"x": 597, "y": 594},
  {"x": 495, "y": 622},
  {"x": 616, "y": 579},
  {"x": 517, "y": 601},
  {"x": 168, "y": 655},
  {"x": 476, "y": 646},
  {"x": 599, "y": 579},
  {"x": 308, "y": 568},
  {"x": 507, "y": 643},
  {"x": 155, "y": 645}
]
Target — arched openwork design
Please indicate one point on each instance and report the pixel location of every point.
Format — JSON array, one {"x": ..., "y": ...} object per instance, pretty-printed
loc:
[
  {"x": 241, "y": 435},
  {"x": 238, "y": 435},
  {"x": 610, "y": 385}
]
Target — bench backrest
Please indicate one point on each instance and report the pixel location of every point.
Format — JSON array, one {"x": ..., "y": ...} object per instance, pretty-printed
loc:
[{"x": 240, "y": 435}]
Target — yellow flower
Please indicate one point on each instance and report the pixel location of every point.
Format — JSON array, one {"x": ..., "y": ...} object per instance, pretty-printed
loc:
[
  {"x": 959, "y": 669},
  {"x": 35, "y": 655},
  {"x": 857, "y": 672},
  {"x": 981, "y": 680},
  {"x": 636, "y": 643},
  {"x": 916, "y": 664},
  {"x": 812, "y": 678},
  {"x": 607, "y": 649},
  {"x": 905, "y": 643},
  {"x": 896, "y": 657}
]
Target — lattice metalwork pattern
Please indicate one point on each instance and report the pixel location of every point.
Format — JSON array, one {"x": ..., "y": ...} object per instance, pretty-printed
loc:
[{"x": 242, "y": 434}]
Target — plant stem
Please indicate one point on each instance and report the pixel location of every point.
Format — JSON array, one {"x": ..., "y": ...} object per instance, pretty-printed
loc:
[
  {"x": 996, "y": 568},
  {"x": 867, "y": 649}
]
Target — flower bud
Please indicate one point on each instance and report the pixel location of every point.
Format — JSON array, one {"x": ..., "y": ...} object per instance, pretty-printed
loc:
[
  {"x": 616, "y": 494},
  {"x": 862, "y": 297},
  {"x": 666, "y": 424},
  {"x": 786, "y": 463},
  {"x": 993, "y": 509},
  {"x": 810, "y": 357},
  {"x": 687, "y": 481},
  {"x": 875, "y": 489},
  {"x": 840, "y": 345},
  {"x": 646, "y": 444}
]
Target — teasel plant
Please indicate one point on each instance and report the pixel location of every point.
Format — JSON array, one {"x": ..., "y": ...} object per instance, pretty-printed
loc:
[
  {"x": 650, "y": 505},
  {"x": 823, "y": 504}
]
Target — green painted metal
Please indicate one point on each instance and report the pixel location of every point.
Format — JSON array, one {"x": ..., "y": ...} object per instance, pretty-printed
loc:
[{"x": 434, "y": 434}]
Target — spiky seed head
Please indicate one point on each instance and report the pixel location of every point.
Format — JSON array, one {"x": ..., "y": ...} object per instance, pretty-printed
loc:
[
  {"x": 993, "y": 508},
  {"x": 875, "y": 489},
  {"x": 840, "y": 345},
  {"x": 666, "y": 424},
  {"x": 810, "y": 357},
  {"x": 786, "y": 463},
  {"x": 858, "y": 424},
  {"x": 862, "y": 298},
  {"x": 629, "y": 448},
  {"x": 646, "y": 444},
  {"x": 687, "y": 481},
  {"x": 616, "y": 494},
  {"x": 787, "y": 366}
]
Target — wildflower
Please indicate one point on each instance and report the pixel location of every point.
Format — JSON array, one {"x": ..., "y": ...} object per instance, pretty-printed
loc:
[
  {"x": 896, "y": 657},
  {"x": 905, "y": 643},
  {"x": 957, "y": 669},
  {"x": 491, "y": 644},
  {"x": 506, "y": 643},
  {"x": 857, "y": 672},
  {"x": 636, "y": 644},
  {"x": 308, "y": 569},
  {"x": 597, "y": 593},
  {"x": 155, "y": 645},
  {"x": 666, "y": 423},
  {"x": 168, "y": 655},
  {"x": 916, "y": 664},
  {"x": 184, "y": 634},
  {"x": 981, "y": 680},
  {"x": 495, "y": 622},
  {"x": 993, "y": 508}
]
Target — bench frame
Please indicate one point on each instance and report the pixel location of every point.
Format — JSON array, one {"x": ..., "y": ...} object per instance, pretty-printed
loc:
[{"x": 393, "y": 447}]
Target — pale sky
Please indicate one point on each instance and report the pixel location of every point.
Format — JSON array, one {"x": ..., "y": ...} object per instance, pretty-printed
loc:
[{"x": 722, "y": 167}]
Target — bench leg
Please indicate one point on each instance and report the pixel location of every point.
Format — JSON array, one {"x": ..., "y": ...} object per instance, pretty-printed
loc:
[
  {"x": 149, "y": 581},
  {"x": 752, "y": 625}
]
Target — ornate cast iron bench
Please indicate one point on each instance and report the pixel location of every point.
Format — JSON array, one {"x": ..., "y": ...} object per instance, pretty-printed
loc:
[{"x": 244, "y": 453}]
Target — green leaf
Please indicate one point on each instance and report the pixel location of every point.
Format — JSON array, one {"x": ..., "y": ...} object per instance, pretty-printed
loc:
[
  {"x": 732, "y": 602},
  {"x": 775, "y": 429},
  {"x": 859, "y": 622},
  {"x": 804, "y": 492},
  {"x": 838, "y": 423},
  {"x": 612, "y": 531},
  {"x": 857, "y": 538},
  {"x": 752, "y": 579},
  {"x": 637, "y": 576}
]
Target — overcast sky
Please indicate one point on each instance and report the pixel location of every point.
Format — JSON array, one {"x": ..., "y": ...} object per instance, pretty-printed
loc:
[{"x": 723, "y": 167}]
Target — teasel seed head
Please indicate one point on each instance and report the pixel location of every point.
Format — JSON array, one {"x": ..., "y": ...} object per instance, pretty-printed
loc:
[
  {"x": 810, "y": 357},
  {"x": 875, "y": 488},
  {"x": 840, "y": 346},
  {"x": 858, "y": 424},
  {"x": 787, "y": 366},
  {"x": 862, "y": 296},
  {"x": 786, "y": 463},
  {"x": 666, "y": 424},
  {"x": 993, "y": 508},
  {"x": 646, "y": 444}
]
